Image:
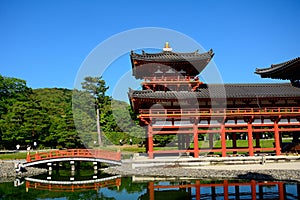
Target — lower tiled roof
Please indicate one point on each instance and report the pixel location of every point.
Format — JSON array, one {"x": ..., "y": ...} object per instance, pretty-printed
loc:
[
  {"x": 224, "y": 91},
  {"x": 288, "y": 70}
]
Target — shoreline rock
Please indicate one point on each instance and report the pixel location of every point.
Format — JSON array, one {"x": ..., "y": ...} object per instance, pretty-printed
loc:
[
  {"x": 202, "y": 173},
  {"x": 8, "y": 171}
]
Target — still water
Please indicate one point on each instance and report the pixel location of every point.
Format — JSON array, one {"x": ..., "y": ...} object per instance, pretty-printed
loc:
[{"x": 88, "y": 185}]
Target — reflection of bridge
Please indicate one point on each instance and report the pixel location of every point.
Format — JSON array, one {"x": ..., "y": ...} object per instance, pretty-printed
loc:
[
  {"x": 91, "y": 155},
  {"x": 222, "y": 190},
  {"x": 71, "y": 186}
]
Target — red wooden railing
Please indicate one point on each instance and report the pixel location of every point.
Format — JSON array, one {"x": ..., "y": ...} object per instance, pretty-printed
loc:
[
  {"x": 168, "y": 78},
  {"x": 216, "y": 111},
  {"x": 71, "y": 153}
]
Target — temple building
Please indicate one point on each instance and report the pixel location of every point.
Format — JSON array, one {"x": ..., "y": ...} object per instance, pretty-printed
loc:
[{"x": 210, "y": 118}]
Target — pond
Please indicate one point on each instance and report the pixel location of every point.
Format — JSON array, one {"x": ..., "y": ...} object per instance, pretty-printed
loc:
[{"x": 85, "y": 184}]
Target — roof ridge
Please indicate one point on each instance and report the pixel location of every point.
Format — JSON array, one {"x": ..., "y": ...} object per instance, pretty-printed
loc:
[
  {"x": 278, "y": 70},
  {"x": 196, "y": 53}
]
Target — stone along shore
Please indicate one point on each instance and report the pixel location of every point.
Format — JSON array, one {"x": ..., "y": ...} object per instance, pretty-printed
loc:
[
  {"x": 276, "y": 171},
  {"x": 8, "y": 171}
]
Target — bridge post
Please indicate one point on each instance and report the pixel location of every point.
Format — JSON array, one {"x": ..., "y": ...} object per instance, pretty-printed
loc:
[
  {"x": 72, "y": 162},
  {"x": 95, "y": 166},
  {"x": 119, "y": 156},
  {"x": 49, "y": 166},
  {"x": 49, "y": 171},
  {"x": 95, "y": 169},
  {"x": 28, "y": 159}
]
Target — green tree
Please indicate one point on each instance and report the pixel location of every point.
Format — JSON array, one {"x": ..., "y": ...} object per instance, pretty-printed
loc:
[
  {"x": 57, "y": 103},
  {"x": 84, "y": 115},
  {"x": 96, "y": 87},
  {"x": 12, "y": 91},
  {"x": 25, "y": 121},
  {"x": 49, "y": 115}
]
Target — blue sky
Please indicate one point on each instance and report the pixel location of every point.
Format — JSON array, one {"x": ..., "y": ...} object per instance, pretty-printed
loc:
[{"x": 45, "y": 42}]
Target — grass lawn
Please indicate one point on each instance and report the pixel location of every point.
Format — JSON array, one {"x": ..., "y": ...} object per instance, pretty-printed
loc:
[
  {"x": 133, "y": 149},
  {"x": 240, "y": 143},
  {"x": 13, "y": 156},
  {"x": 267, "y": 143},
  {"x": 128, "y": 149}
]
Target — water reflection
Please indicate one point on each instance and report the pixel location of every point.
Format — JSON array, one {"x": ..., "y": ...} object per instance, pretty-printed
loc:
[
  {"x": 225, "y": 189},
  {"x": 71, "y": 186},
  {"x": 114, "y": 187}
]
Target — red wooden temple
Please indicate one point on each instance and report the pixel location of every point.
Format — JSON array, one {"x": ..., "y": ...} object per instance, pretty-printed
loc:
[{"x": 175, "y": 102}]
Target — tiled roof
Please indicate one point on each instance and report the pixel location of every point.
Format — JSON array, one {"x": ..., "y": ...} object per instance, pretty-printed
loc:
[
  {"x": 169, "y": 63},
  {"x": 289, "y": 70},
  {"x": 169, "y": 56},
  {"x": 226, "y": 90}
]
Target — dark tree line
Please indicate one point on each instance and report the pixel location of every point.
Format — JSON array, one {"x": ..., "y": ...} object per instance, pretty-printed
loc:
[{"x": 46, "y": 116}]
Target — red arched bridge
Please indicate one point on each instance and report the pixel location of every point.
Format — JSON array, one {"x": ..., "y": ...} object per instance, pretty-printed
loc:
[
  {"x": 71, "y": 186},
  {"x": 90, "y": 155}
]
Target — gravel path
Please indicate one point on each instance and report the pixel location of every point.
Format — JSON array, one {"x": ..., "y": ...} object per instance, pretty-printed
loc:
[{"x": 276, "y": 171}]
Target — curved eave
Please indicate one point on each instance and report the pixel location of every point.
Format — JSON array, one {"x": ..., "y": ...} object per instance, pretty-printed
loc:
[
  {"x": 147, "y": 64},
  {"x": 289, "y": 70},
  {"x": 167, "y": 57},
  {"x": 277, "y": 90}
]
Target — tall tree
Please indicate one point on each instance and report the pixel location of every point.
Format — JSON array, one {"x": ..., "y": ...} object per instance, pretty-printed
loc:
[
  {"x": 57, "y": 103},
  {"x": 96, "y": 87},
  {"x": 12, "y": 90}
]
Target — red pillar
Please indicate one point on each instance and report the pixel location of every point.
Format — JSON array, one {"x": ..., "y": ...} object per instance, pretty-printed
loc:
[
  {"x": 226, "y": 193},
  {"x": 150, "y": 142},
  {"x": 276, "y": 138},
  {"x": 151, "y": 190},
  {"x": 250, "y": 139},
  {"x": 196, "y": 144},
  {"x": 27, "y": 185},
  {"x": 198, "y": 190},
  {"x": 281, "y": 190},
  {"x": 223, "y": 140},
  {"x": 253, "y": 189}
]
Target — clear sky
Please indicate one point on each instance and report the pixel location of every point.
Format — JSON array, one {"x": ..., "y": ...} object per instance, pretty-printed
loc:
[{"x": 45, "y": 42}]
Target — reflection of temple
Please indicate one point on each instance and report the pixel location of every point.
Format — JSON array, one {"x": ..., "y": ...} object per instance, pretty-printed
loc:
[
  {"x": 222, "y": 190},
  {"x": 71, "y": 186},
  {"x": 175, "y": 102}
]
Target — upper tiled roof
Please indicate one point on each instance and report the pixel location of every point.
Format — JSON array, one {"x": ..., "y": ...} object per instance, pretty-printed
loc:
[
  {"x": 169, "y": 56},
  {"x": 289, "y": 70},
  {"x": 225, "y": 91},
  {"x": 168, "y": 63}
]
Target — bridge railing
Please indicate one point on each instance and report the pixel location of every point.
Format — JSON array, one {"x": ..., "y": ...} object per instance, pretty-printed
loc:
[
  {"x": 71, "y": 186},
  {"x": 69, "y": 153}
]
